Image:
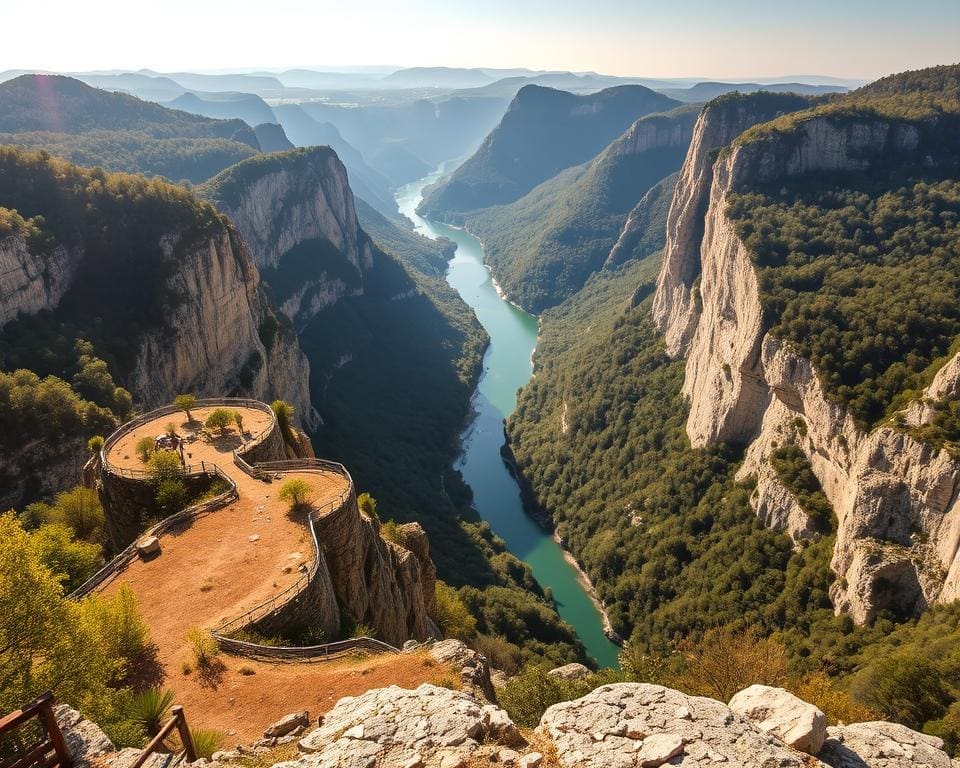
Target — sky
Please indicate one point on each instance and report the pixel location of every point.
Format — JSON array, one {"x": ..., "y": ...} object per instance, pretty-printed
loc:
[{"x": 667, "y": 38}]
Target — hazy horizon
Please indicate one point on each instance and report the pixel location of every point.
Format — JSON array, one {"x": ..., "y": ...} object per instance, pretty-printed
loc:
[{"x": 693, "y": 39}]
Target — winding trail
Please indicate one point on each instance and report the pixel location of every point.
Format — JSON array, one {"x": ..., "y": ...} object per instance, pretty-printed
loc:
[{"x": 210, "y": 570}]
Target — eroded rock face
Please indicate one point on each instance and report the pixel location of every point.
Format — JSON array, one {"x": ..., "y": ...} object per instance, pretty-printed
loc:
[
  {"x": 31, "y": 281},
  {"x": 289, "y": 199},
  {"x": 778, "y": 712},
  {"x": 882, "y": 745},
  {"x": 895, "y": 497},
  {"x": 574, "y": 671},
  {"x": 474, "y": 670},
  {"x": 396, "y": 728},
  {"x": 85, "y": 739},
  {"x": 215, "y": 343},
  {"x": 632, "y": 724}
]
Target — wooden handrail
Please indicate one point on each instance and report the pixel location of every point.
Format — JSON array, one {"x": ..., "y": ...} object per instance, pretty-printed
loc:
[
  {"x": 178, "y": 721},
  {"x": 42, "y": 709}
]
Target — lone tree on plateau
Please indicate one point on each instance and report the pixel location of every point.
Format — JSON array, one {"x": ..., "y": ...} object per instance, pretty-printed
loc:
[
  {"x": 294, "y": 492},
  {"x": 220, "y": 419},
  {"x": 185, "y": 403}
]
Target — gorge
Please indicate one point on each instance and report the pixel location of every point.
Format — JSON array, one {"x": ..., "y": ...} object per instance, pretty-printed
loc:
[{"x": 508, "y": 365}]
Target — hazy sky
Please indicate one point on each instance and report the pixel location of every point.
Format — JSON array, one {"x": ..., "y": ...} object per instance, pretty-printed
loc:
[{"x": 719, "y": 38}]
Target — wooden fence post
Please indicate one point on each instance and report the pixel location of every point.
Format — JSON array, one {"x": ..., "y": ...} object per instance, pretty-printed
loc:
[
  {"x": 64, "y": 758},
  {"x": 185, "y": 738}
]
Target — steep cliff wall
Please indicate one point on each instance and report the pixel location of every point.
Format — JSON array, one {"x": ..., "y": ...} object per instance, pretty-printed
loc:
[
  {"x": 296, "y": 212},
  {"x": 895, "y": 497},
  {"x": 222, "y": 338},
  {"x": 30, "y": 282},
  {"x": 676, "y": 302},
  {"x": 379, "y": 583}
]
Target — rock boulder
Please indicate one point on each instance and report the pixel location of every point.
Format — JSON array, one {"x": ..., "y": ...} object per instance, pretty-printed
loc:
[{"x": 778, "y": 712}]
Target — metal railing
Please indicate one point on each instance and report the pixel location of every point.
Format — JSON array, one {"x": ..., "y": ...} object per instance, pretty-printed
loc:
[
  {"x": 324, "y": 652},
  {"x": 45, "y": 751}
]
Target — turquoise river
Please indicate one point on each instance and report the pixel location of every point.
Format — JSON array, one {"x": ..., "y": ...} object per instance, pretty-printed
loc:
[{"x": 507, "y": 366}]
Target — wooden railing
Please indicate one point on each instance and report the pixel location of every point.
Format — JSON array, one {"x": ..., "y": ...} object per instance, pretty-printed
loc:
[
  {"x": 178, "y": 721},
  {"x": 322, "y": 652},
  {"x": 46, "y": 749}
]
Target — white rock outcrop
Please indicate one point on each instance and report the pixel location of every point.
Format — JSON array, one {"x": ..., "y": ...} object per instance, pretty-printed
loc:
[
  {"x": 882, "y": 745},
  {"x": 31, "y": 281},
  {"x": 573, "y": 671},
  {"x": 780, "y": 713},
  {"x": 393, "y": 727},
  {"x": 632, "y": 724}
]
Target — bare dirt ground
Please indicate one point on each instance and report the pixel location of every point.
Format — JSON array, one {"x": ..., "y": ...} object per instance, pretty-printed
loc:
[{"x": 223, "y": 564}]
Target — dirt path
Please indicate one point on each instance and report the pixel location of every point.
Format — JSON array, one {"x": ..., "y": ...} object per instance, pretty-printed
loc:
[{"x": 223, "y": 564}]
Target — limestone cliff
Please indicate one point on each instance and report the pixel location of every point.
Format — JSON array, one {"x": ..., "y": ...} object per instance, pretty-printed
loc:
[
  {"x": 894, "y": 496},
  {"x": 32, "y": 281},
  {"x": 223, "y": 337},
  {"x": 296, "y": 212}
]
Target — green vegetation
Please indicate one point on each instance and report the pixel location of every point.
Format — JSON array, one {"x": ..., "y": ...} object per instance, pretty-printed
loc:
[
  {"x": 294, "y": 492},
  {"x": 72, "y": 562},
  {"x": 528, "y": 695},
  {"x": 121, "y": 133},
  {"x": 164, "y": 466},
  {"x": 206, "y": 741},
  {"x": 862, "y": 277},
  {"x": 149, "y": 708},
  {"x": 186, "y": 403},
  {"x": 86, "y": 652},
  {"x": 451, "y": 615},
  {"x": 543, "y": 132},
  {"x": 203, "y": 646},
  {"x": 794, "y": 471},
  {"x": 544, "y": 246},
  {"x": 220, "y": 419},
  {"x": 144, "y": 448},
  {"x": 172, "y": 496}
]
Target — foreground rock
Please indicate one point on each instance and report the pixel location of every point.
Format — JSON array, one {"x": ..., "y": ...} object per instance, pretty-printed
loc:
[
  {"x": 429, "y": 727},
  {"x": 633, "y": 724},
  {"x": 474, "y": 670},
  {"x": 780, "y": 713},
  {"x": 574, "y": 671},
  {"x": 882, "y": 745},
  {"x": 85, "y": 739}
]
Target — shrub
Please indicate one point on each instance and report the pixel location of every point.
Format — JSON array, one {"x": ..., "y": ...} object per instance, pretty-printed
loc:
[
  {"x": 528, "y": 695},
  {"x": 450, "y": 614},
  {"x": 171, "y": 496},
  {"x": 123, "y": 632},
  {"x": 295, "y": 492},
  {"x": 79, "y": 509},
  {"x": 392, "y": 531},
  {"x": 95, "y": 443},
  {"x": 144, "y": 448},
  {"x": 206, "y": 741},
  {"x": 500, "y": 652},
  {"x": 148, "y": 708},
  {"x": 221, "y": 419},
  {"x": 203, "y": 646},
  {"x": 284, "y": 413},
  {"x": 238, "y": 419},
  {"x": 246, "y": 670},
  {"x": 363, "y": 630},
  {"x": 185, "y": 403},
  {"x": 727, "y": 660},
  {"x": 73, "y": 562},
  {"x": 170, "y": 429},
  {"x": 368, "y": 505},
  {"x": 165, "y": 465},
  {"x": 905, "y": 688}
]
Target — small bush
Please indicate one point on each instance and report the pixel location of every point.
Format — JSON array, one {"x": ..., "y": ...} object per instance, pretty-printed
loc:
[
  {"x": 368, "y": 505},
  {"x": 246, "y": 670},
  {"x": 79, "y": 510},
  {"x": 185, "y": 403},
  {"x": 185, "y": 667},
  {"x": 238, "y": 420},
  {"x": 206, "y": 741},
  {"x": 172, "y": 496},
  {"x": 450, "y": 613},
  {"x": 148, "y": 709},
  {"x": 363, "y": 630},
  {"x": 170, "y": 429},
  {"x": 123, "y": 633},
  {"x": 528, "y": 695},
  {"x": 144, "y": 448},
  {"x": 221, "y": 419},
  {"x": 165, "y": 465},
  {"x": 295, "y": 492},
  {"x": 203, "y": 647},
  {"x": 392, "y": 531},
  {"x": 95, "y": 443}
]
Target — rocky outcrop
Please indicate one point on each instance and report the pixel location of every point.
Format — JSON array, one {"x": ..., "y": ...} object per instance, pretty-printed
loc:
[
  {"x": 574, "y": 671},
  {"x": 429, "y": 727},
  {"x": 894, "y": 496},
  {"x": 85, "y": 740},
  {"x": 288, "y": 200},
  {"x": 223, "y": 338},
  {"x": 377, "y": 582},
  {"x": 776, "y": 711},
  {"x": 32, "y": 280},
  {"x": 882, "y": 745},
  {"x": 473, "y": 666}
]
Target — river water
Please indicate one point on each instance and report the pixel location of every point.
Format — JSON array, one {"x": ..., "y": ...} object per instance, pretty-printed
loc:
[{"x": 507, "y": 366}]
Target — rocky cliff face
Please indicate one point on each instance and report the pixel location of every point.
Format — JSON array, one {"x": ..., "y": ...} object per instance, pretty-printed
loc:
[
  {"x": 288, "y": 200},
  {"x": 30, "y": 282},
  {"x": 894, "y": 496},
  {"x": 217, "y": 340}
]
